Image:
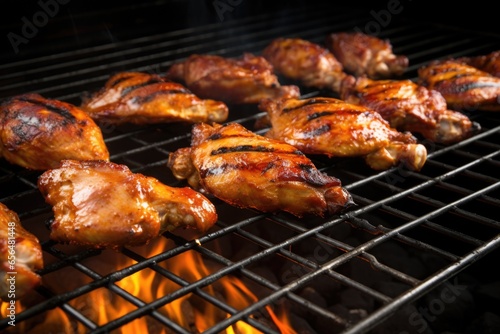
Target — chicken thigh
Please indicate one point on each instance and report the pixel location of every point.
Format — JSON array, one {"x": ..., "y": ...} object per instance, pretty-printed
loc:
[
  {"x": 366, "y": 55},
  {"x": 37, "y": 133},
  {"x": 464, "y": 87},
  {"x": 103, "y": 204},
  {"x": 250, "y": 171},
  {"x": 408, "y": 106},
  {"x": 306, "y": 62},
  {"x": 245, "y": 80},
  {"x": 143, "y": 98},
  {"x": 329, "y": 126}
]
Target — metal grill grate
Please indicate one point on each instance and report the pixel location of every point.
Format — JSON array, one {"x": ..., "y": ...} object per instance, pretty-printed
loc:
[{"x": 447, "y": 213}]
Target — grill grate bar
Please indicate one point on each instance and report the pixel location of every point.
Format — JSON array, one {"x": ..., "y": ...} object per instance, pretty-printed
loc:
[
  {"x": 112, "y": 287},
  {"x": 322, "y": 269},
  {"x": 364, "y": 256},
  {"x": 435, "y": 203},
  {"x": 175, "y": 278},
  {"x": 314, "y": 265},
  {"x": 68, "y": 309},
  {"x": 151, "y": 56},
  {"x": 264, "y": 282},
  {"x": 384, "y": 313},
  {"x": 174, "y": 38},
  {"x": 55, "y": 75}
]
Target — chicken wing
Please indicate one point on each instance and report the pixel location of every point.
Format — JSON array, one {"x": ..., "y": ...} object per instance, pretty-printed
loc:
[
  {"x": 143, "y": 98},
  {"x": 245, "y": 80},
  {"x": 37, "y": 133},
  {"x": 103, "y": 204},
  {"x": 489, "y": 63},
  {"x": 366, "y": 55},
  {"x": 335, "y": 128},
  {"x": 250, "y": 171},
  {"x": 408, "y": 106},
  {"x": 306, "y": 62},
  {"x": 464, "y": 87},
  {"x": 20, "y": 257}
]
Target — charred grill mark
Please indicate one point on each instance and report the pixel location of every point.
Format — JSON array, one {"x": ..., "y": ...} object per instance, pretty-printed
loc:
[
  {"x": 64, "y": 112},
  {"x": 268, "y": 167},
  {"x": 241, "y": 148},
  {"x": 315, "y": 115},
  {"x": 206, "y": 172},
  {"x": 468, "y": 86},
  {"x": 251, "y": 148},
  {"x": 153, "y": 95},
  {"x": 306, "y": 103},
  {"x": 215, "y": 136},
  {"x": 129, "y": 89},
  {"x": 474, "y": 85},
  {"x": 317, "y": 131}
]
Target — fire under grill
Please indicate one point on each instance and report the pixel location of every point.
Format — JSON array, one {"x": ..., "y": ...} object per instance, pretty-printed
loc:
[{"x": 413, "y": 256}]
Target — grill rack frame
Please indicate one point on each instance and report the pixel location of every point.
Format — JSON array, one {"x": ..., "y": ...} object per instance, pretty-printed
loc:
[{"x": 27, "y": 80}]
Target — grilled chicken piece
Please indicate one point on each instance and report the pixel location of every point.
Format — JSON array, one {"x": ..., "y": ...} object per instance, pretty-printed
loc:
[
  {"x": 250, "y": 171},
  {"x": 37, "y": 133},
  {"x": 245, "y": 80},
  {"x": 307, "y": 62},
  {"x": 408, "y": 106},
  {"x": 464, "y": 87},
  {"x": 104, "y": 205},
  {"x": 143, "y": 98},
  {"x": 20, "y": 257},
  {"x": 335, "y": 128},
  {"x": 366, "y": 55},
  {"x": 489, "y": 63}
]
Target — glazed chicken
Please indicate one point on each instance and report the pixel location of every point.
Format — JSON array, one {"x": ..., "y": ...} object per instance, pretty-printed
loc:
[
  {"x": 250, "y": 171},
  {"x": 142, "y": 98},
  {"x": 464, "y": 87},
  {"x": 330, "y": 126},
  {"x": 244, "y": 80},
  {"x": 489, "y": 63},
  {"x": 104, "y": 205},
  {"x": 306, "y": 62},
  {"x": 366, "y": 55},
  {"x": 408, "y": 106},
  {"x": 20, "y": 257},
  {"x": 37, "y": 133}
]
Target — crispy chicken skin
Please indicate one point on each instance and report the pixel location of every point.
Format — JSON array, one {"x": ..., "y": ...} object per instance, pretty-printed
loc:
[
  {"x": 464, "y": 87},
  {"x": 244, "y": 80},
  {"x": 37, "y": 133},
  {"x": 143, "y": 98},
  {"x": 306, "y": 62},
  {"x": 489, "y": 63},
  {"x": 250, "y": 171},
  {"x": 335, "y": 128},
  {"x": 104, "y": 205},
  {"x": 20, "y": 253},
  {"x": 366, "y": 55},
  {"x": 408, "y": 106}
]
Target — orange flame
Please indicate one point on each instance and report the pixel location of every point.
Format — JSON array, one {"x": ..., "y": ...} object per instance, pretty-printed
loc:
[{"x": 190, "y": 311}]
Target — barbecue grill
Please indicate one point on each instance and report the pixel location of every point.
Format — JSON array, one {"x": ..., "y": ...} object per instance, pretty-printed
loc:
[{"x": 414, "y": 255}]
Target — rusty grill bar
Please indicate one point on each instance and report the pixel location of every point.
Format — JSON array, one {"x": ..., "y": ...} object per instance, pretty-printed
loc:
[{"x": 448, "y": 211}]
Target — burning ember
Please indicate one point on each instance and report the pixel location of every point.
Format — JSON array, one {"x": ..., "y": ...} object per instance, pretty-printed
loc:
[{"x": 190, "y": 311}]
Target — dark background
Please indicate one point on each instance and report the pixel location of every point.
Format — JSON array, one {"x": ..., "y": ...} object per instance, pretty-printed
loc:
[{"x": 73, "y": 24}]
